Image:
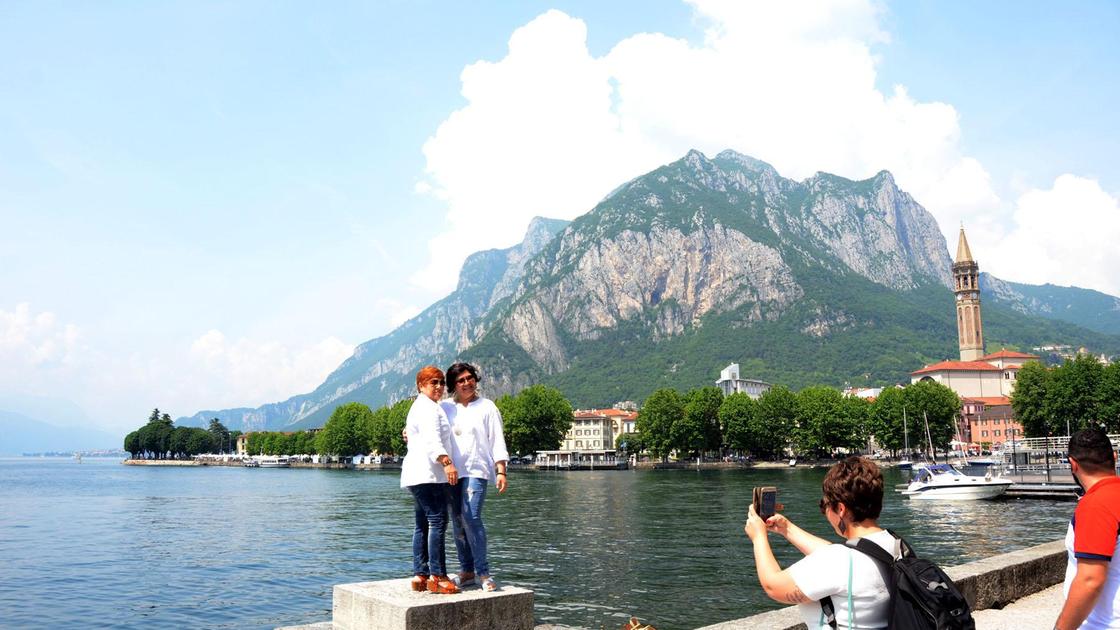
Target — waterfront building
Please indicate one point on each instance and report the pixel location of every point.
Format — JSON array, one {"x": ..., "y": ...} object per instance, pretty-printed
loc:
[
  {"x": 731, "y": 383},
  {"x": 590, "y": 431},
  {"x": 989, "y": 420},
  {"x": 597, "y": 429}
]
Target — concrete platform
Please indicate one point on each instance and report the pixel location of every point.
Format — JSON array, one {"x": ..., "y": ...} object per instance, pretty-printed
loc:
[
  {"x": 1033, "y": 612},
  {"x": 392, "y": 605}
]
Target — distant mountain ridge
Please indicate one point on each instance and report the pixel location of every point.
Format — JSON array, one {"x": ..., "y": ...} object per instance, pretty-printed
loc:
[
  {"x": 22, "y": 434},
  {"x": 680, "y": 271},
  {"x": 1085, "y": 307}
]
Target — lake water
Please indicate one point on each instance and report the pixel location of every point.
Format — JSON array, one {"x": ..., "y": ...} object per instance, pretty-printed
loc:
[{"x": 97, "y": 544}]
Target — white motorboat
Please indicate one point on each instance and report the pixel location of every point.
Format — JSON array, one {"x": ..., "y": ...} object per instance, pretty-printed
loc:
[
  {"x": 272, "y": 461},
  {"x": 944, "y": 482}
]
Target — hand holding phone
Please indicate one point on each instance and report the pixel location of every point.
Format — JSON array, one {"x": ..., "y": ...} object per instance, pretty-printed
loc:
[{"x": 765, "y": 501}]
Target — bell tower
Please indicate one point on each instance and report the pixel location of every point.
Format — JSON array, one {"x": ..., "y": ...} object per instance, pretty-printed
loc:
[{"x": 966, "y": 279}]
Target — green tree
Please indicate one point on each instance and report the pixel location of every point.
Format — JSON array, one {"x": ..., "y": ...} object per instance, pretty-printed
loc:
[
  {"x": 198, "y": 441},
  {"x": 701, "y": 417},
  {"x": 855, "y": 414},
  {"x": 933, "y": 402},
  {"x": 178, "y": 442},
  {"x": 155, "y": 437},
  {"x": 1028, "y": 400},
  {"x": 774, "y": 422},
  {"x": 821, "y": 426},
  {"x": 394, "y": 426},
  {"x": 536, "y": 419},
  {"x": 340, "y": 434},
  {"x": 1072, "y": 398},
  {"x": 255, "y": 442},
  {"x": 735, "y": 416},
  {"x": 1110, "y": 397},
  {"x": 629, "y": 443},
  {"x": 658, "y": 414},
  {"x": 132, "y": 444},
  {"x": 219, "y": 435},
  {"x": 887, "y": 418}
]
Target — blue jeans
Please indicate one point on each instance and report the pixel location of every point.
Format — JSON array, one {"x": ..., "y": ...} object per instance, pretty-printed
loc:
[
  {"x": 467, "y": 498},
  {"x": 431, "y": 526}
]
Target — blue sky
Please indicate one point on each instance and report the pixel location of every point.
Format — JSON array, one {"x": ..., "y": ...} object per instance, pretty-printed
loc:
[{"x": 206, "y": 205}]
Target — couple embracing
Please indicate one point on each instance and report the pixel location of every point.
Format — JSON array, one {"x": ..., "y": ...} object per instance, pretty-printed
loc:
[{"x": 455, "y": 450}]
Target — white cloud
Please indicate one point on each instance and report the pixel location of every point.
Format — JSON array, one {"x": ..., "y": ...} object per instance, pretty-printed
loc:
[
  {"x": 550, "y": 129},
  {"x": 41, "y": 356},
  {"x": 245, "y": 372},
  {"x": 34, "y": 340},
  {"x": 1065, "y": 235}
]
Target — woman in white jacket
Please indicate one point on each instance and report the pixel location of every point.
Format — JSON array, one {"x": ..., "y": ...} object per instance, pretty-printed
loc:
[
  {"x": 426, "y": 472},
  {"x": 479, "y": 452}
]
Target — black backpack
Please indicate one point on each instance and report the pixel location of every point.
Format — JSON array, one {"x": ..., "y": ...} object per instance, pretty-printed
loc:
[{"x": 922, "y": 596}]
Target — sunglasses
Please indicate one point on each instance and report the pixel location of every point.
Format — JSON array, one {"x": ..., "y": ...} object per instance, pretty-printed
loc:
[
  {"x": 464, "y": 379},
  {"x": 439, "y": 382}
]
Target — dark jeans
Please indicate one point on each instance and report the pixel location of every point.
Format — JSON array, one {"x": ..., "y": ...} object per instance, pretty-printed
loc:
[{"x": 431, "y": 526}]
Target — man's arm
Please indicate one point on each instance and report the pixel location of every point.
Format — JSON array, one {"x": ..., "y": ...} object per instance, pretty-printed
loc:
[{"x": 1083, "y": 593}]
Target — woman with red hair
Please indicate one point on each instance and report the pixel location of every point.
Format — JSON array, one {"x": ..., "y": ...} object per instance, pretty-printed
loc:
[{"x": 426, "y": 472}]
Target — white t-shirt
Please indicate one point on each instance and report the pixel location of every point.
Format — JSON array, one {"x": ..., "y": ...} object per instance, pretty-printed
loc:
[
  {"x": 477, "y": 440},
  {"x": 825, "y": 572}
]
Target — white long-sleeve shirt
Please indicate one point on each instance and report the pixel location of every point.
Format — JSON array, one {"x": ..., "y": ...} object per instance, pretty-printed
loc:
[
  {"x": 429, "y": 438},
  {"x": 477, "y": 441}
]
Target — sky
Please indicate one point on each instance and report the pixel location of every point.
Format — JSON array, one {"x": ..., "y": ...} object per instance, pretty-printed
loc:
[{"x": 210, "y": 204}]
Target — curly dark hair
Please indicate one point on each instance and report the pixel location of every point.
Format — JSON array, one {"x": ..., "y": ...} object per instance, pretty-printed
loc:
[
  {"x": 1093, "y": 451},
  {"x": 856, "y": 482},
  {"x": 456, "y": 370}
]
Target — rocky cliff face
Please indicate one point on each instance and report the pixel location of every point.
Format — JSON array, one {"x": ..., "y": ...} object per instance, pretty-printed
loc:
[{"x": 707, "y": 236}]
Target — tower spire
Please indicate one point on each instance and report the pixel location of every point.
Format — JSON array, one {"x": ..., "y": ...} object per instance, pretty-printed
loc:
[
  {"x": 966, "y": 280},
  {"x": 964, "y": 254}
]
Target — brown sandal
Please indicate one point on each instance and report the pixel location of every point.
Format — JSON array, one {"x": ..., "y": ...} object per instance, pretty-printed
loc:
[
  {"x": 419, "y": 583},
  {"x": 441, "y": 585}
]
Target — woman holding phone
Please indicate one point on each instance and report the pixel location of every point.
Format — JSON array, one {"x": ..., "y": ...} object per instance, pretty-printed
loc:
[{"x": 851, "y": 502}]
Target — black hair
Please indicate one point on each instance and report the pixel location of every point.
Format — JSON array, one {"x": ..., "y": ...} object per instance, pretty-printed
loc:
[
  {"x": 1093, "y": 451},
  {"x": 456, "y": 370}
]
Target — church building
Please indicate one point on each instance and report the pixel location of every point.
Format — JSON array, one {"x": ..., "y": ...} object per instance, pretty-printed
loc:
[{"x": 983, "y": 381}]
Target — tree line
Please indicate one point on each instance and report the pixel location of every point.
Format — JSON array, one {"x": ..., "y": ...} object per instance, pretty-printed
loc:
[
  {"x": 161, "y": 439},
  {"x": 816, "y": 422},
  {"x": 1060, "y": 400},
  {"x": 535, "y": 419}
]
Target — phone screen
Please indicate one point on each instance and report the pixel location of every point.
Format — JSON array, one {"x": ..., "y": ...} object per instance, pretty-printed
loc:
[{"x": 767, "y": 504}]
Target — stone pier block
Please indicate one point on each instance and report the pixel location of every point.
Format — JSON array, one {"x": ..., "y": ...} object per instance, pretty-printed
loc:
[{"x": 392, "y": 605}]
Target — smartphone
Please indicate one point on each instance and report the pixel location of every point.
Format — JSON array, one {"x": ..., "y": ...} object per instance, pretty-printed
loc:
[{"x": 765, "y": 501}]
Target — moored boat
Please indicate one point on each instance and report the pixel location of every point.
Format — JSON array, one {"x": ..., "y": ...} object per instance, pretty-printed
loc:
[
  {"x": 272, "y": 461},
  {"x": 944, "y": 482}
]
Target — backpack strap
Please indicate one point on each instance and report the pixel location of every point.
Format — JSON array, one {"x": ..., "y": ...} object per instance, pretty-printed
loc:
[{"x": 881, "y": 556}]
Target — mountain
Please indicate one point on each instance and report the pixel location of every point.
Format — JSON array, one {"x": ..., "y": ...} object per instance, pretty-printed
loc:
[
  {"x": 1092, "y": 309},
  {"x": 677, "y": 273},
  {"x": 22, "y": 434}
]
